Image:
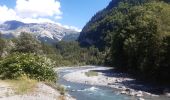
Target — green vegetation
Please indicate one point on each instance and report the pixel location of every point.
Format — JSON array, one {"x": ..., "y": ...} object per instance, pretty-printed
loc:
[
  {"x": 26, "y": 55},
  {"x": 131, "y": 35},
  {"x": 23, "y": 85},
  {"x": 91, "y": 73},
  {"x": 73, "y": 54},
  {"x": 134, "y": 35},
  {"x": 141, "y": 40},
  {"x": 2, "y": 45},
  {"x": 33, "y": 66},
  {"x": 26, "y": 43}
]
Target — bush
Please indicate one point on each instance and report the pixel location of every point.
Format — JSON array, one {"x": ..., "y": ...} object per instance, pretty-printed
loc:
[
  {"x": 31, "y": 65},
  {"x": 91, "y": 73}
]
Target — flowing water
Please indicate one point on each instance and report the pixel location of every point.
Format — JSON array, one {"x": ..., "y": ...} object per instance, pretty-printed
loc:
[{"x": 89, "y": 92}]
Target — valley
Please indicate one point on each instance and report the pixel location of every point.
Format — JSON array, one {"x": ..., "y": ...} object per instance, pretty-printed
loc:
[{"x": 121, "y": 53}]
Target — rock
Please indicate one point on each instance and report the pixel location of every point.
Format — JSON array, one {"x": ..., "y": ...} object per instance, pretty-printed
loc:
[
  {"x": 139, "y": 94},
  {"x": 147, "y": 93},
  {"x": 154, "y": 95},
  {"x": 167, "y": 94},
  {"x": 86, "y": 82},
  {"x": 123, "y": 92},
  {"x": 141, "y": 99},
  {"x": 123, "y": 88},
  {"x": 127, "y": 90},
  {"x": 132, "y": 93}
]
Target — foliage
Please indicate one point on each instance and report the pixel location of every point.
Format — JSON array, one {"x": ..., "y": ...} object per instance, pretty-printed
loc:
[
  {"x": 141, "y": 40},
  {"x": 134, "y": 36},
  {"x": 73, "y": 54},
  {"x": 34, "y": 66},
  {"x": 91, "y": 73},
  {"x": 2, "y": 45},
  {"x": 26, "y": 43}
]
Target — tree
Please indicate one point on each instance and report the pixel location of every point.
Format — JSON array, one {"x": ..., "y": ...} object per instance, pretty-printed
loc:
[
  {"x": 2, "y": 44},
  {"x": 26, "y": 43},
  {"x": 141, "y": 40}
]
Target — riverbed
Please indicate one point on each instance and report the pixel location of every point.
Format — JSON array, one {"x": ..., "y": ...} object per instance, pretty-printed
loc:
[{"x": 82, "y": 91}]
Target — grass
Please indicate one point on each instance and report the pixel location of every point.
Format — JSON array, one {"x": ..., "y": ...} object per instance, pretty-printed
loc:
[
  {"x": 57, "y": 87},
  {"x": 61, "y": 97},
  {"x": 91, "y": 73},
  {"x": 22, "y": 85}
]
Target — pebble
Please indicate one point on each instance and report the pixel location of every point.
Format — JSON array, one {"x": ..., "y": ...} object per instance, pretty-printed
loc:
[{"x": 123, "y": 92}]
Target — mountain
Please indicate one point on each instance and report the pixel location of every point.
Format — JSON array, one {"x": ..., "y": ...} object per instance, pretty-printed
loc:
[
  {"x": 92, "y": 31},
  {"x": 46, "y": 32},
  {"x": 98, "y": 30}
]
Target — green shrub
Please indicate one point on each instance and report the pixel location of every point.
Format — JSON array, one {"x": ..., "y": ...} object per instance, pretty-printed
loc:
[
  {"x": 91, "y": 73},
  {"x": 31, "y": 65}
]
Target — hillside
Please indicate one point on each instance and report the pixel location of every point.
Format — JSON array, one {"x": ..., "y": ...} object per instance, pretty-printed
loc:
[
  {"x": 98, "y": 30},
  {"x": 134, "y": 35}
]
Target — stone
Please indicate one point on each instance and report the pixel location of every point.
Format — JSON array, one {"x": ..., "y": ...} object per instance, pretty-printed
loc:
[
  {"x": 141, "y": 99},
  {"x": 123, "y": 92},
  {"x": 168, "y": 94},
  {"x": 139, "y": 94}
]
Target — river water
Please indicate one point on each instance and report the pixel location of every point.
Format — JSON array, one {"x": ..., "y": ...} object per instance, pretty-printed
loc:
[{"x": 89, "y": 92}]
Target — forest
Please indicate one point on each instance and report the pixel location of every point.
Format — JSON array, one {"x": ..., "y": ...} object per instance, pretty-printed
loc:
[{"x": 134, "y": 36}]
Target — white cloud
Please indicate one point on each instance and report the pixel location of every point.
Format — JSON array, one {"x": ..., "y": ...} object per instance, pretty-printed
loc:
[
  {"x": 72, "y": 27},
  {"x": 34, "y": 11},
  {"x": 36, "y": 20},
  {"x": 7, "y": 14},
  {"x": 58, "y": 17},
  {"x": 38, "y": 8}
]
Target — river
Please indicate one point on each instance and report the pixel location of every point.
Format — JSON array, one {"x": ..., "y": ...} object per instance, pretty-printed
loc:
[{"x": 91, "y": 92}]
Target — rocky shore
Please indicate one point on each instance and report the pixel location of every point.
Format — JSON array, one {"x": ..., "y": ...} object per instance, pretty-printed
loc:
[{"x": 111, "y": 78}]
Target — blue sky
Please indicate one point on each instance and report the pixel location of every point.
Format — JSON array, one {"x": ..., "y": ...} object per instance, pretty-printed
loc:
[{"x": 68, "y": 13}]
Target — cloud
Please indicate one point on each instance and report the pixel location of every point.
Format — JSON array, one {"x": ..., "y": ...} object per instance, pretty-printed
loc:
[
  {"x": 36, "y": 20},
  {"x": 38, "y": 8},
  {"x": 58, "y": 17},
  {"x": 71, "y": 27},
  {"x": 34, "y": 11},
  {"x": 7, "y": 14}
]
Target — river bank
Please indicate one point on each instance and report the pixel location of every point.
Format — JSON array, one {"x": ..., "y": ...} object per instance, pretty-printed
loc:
[
  {"x": 109, "y": 77},
  {"x": 41, "y": 91}
]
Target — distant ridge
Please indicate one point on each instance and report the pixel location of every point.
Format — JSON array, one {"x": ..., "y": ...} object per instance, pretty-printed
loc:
[{"x": 45, "y": 32}]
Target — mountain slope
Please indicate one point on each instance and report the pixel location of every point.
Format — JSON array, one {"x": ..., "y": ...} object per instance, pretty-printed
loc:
[
  {"x": 92, "y": 33},
  {"x": 46, "y": 32},
  {"x": 98, "y": 30}
]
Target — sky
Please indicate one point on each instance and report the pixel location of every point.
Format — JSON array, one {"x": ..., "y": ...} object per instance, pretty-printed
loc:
[{"x": 73, "y": 14}]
